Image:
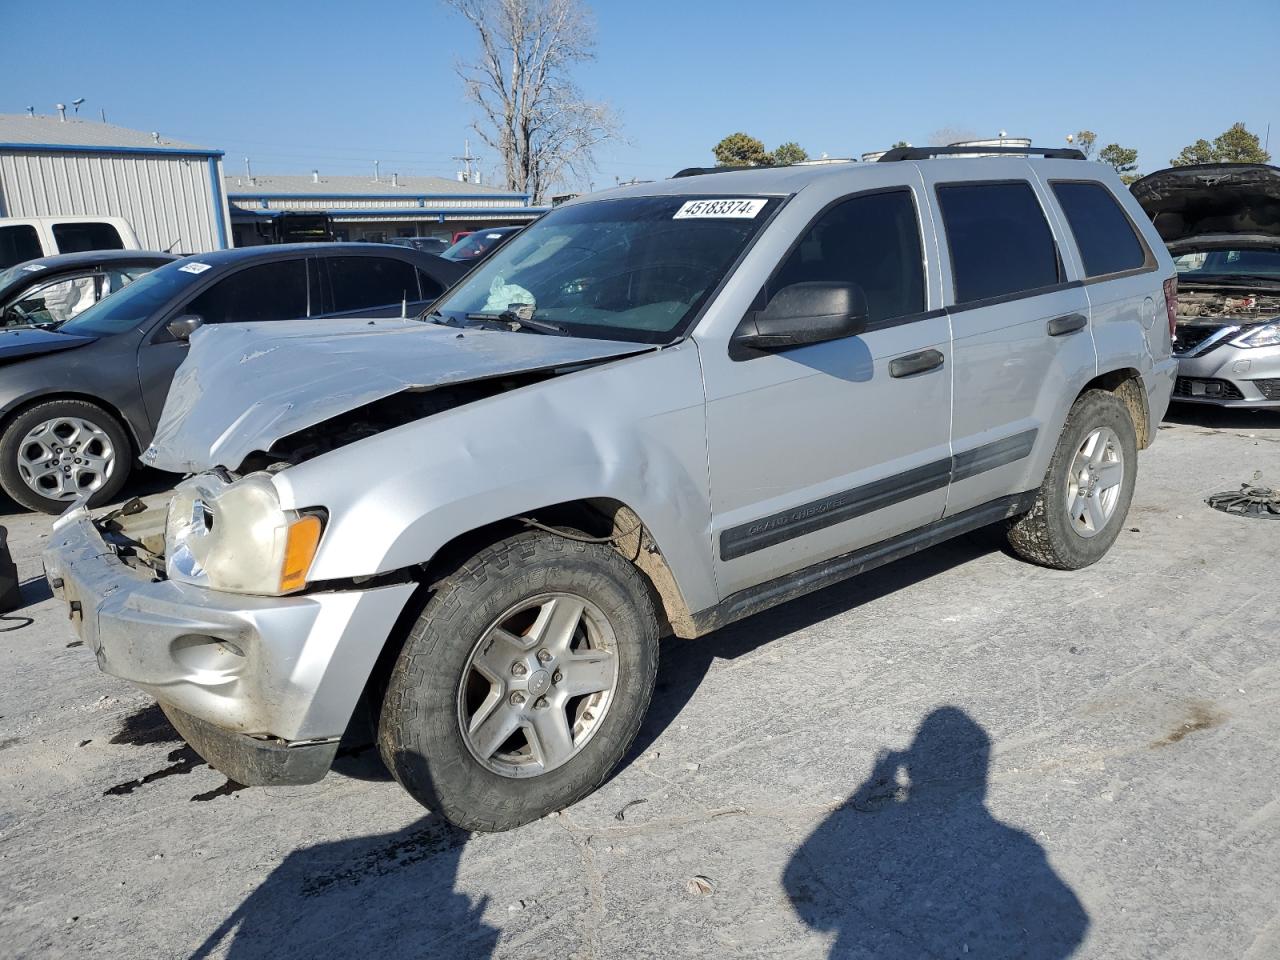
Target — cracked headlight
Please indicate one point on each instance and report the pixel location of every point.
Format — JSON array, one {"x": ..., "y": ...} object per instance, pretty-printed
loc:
[
  {"x": 1267, "y": 335},
  {"x": 235, "y": 536}
]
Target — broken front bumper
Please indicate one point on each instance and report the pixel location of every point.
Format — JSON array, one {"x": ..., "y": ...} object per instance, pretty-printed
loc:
[{"x": 261, "y": 687}]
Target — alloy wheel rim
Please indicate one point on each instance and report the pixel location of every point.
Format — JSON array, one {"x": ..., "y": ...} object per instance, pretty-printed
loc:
[
  {"x": 65, "y": 458},
  {"x": 1094, "y": 482},
  {"x": 538, "y": 685}
]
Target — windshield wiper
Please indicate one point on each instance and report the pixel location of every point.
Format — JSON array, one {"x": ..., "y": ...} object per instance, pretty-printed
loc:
[{"x": 508, "y": 318}]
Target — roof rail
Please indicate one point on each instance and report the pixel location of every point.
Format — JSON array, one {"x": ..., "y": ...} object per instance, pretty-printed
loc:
[
  {"x": 926, "y": 153},
  {"x": 699, "y": 171}
]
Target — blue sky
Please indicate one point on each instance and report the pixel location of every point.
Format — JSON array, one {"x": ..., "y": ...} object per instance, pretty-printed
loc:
[{"x": 297, "y": 85}]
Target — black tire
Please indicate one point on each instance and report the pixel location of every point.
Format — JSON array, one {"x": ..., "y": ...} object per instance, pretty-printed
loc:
[
  {"x": 1046, "y": 535},
  {"x": 419, "y": 730},
  {"x": 11, "y": 478}
]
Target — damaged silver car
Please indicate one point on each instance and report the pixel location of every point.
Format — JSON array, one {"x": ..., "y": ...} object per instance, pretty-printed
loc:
[
  {"x": 1222, "y": 224},
  {"x": 654, "y": 411}
]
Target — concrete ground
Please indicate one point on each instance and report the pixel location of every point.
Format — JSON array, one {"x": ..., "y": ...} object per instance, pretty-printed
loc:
[{"x": 959, "y": 754}]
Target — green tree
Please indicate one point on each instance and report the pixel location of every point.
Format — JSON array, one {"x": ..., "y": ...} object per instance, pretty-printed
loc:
[
  {"x": 789, "y": 153},
  {"x": 900, "y": 143},
  {"x": 1238, "y": 145},
  {"x": 1123, "y": 160},
  {"x": 1234, "y": 145},
  {"x": 1199, "y": 152},
  {"x": 741, "y": 150},
  {"x": 1085, "y": 140}
]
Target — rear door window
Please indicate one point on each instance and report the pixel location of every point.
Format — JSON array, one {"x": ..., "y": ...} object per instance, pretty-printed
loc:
[
  {"x": 358, "y": 283},
  {"x": 873, "y": 241},
  {"x": 1104, "y": 234},
  {"x": 999, "y": 239},
  {"x": 269, "y": 291},
  {"x": 86, "y": 235},
  {"x": 18, "y": 243}
]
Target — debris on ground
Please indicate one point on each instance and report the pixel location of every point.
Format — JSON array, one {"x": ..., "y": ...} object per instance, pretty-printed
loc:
[{"x": 700, "y": 886}]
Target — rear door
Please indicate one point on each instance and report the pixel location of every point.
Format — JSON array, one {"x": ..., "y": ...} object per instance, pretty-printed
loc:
[
  {"x": 277, "y": 290},
  {"x": 372, "y": 286},
  {"x": 1019, "y": 322},
  {"x": 77, "y": 236},
  {"x": 19, "y": 242}
]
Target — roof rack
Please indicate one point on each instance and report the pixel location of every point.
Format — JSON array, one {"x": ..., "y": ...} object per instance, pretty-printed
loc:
[
  {"x": 699, "y": 171},
  {"x": 926, "y": 153}
]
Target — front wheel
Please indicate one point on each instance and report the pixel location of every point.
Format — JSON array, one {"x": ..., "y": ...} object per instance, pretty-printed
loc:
[
  {"x": 1087, "y": 489},
  {"x": 55, "y": 452},
  {"x": 522, "y": 683}
]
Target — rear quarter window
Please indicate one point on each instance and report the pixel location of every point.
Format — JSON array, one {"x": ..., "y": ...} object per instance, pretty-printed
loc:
[
  {"x": 999, "y": 239},
  {"x": 79, "y": 236},
  {"x": 1104, "y": 234},
  {"x": 18, "y": 243}
]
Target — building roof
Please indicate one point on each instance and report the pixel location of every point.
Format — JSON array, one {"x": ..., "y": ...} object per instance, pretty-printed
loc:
[
  {"x": 292, "y": 185},
  {"x": 20, "y": 129}
]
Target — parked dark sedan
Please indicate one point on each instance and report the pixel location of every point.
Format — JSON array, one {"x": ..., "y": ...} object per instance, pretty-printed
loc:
[
  {"x": 78, "y": 401},
  {"x": 476, "y": 246},
  {"x": 55, "y": 289}
]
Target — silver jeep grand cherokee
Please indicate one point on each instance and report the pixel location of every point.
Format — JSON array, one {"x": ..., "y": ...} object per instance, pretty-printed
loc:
[{"x": 658, "y": 409}]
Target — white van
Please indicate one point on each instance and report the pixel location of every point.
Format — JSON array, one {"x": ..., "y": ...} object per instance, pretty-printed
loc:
[{"x": 26, "y": 238}]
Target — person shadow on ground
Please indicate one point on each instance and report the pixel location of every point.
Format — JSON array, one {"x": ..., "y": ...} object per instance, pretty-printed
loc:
[
  {"x": 914, "y": 865},
  {"x": 387, "y": 895}
]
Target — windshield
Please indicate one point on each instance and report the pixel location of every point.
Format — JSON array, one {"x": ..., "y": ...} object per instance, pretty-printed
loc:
[
  {"x": 635, "y": 269},
  {"x": 136, "y": 303},
  {"x": 1209, "y": 265},
  {"x": 475, "y": 245}
]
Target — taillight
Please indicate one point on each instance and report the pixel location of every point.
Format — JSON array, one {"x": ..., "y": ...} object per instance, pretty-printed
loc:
[{"x": 1171, "y": 302}]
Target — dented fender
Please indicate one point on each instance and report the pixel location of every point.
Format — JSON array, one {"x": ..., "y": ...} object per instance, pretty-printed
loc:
[{"x": 631, "y": 430}]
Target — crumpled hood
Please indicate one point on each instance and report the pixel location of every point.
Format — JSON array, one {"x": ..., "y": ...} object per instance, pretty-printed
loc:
[
  {"x": 245, "y": 386},
  {"x": 1209, "y": 204},
  {"x": 17, "y": 342}
]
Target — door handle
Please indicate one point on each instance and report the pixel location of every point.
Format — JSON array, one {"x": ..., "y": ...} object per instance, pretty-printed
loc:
[
  {"x": 914, "y": 363},
  {"x": 1068, "y": 324}
]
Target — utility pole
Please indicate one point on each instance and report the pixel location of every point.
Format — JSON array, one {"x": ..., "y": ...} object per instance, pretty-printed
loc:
[{"x": 468, "y": 159}]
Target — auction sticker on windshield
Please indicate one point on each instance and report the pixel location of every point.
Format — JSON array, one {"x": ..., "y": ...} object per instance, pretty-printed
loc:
[
  {"x": 720, "y": 208},
  {"x": 194, "y": 267}
]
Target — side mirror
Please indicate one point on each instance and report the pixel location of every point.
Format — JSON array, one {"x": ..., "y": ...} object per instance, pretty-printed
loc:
[
  {"x": 805, "y": 313},
  {"x": 181, "y": 328}
]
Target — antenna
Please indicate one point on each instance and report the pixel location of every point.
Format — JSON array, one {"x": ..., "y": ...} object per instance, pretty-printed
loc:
[
  {"x": 375, "y": 171},
  {"x": 102, "y": 112},
  {"x": 466, "y": 158}
]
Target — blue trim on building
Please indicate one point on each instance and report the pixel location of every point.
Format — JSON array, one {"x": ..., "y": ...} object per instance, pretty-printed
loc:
[
  {"x": 215, "y": 192},
  {"x": 423, "y": 214},
  {"x": 377, "y": 196},
  {"x": 88, "y": 148}
]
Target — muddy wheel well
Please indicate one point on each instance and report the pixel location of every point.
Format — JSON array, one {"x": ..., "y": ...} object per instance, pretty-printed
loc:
[
  {"x": 1127, "y": 385},
  {"x": 596, "y": 517}
]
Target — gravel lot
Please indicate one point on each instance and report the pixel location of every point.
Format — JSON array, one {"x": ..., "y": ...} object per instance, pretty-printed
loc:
[{"x": 957, "y": 754}]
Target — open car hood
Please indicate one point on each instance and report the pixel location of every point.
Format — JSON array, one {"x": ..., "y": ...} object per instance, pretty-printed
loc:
[
  {"x": 1204, "y": 205},
  {"x": 245, "y": 386}
]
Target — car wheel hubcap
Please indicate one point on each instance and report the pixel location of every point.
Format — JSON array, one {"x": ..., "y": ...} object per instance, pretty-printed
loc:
[
  {"x": 65, "y": 458},
  {"x": 538, "y": 685},
  {"x": 1093, "y": 487}
]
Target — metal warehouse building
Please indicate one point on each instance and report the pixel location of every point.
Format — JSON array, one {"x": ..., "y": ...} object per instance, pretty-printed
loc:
[
  {"x": 361, "y": 208},
  {"x": 170, "y": 192}
]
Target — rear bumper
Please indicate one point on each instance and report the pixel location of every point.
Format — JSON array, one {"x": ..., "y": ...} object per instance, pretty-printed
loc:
[
  {"x": 261, "y": 687},
  {"x": 1231, "y": 376}
]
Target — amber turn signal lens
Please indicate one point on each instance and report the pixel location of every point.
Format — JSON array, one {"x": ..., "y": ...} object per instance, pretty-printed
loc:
[{"x": 299, "y": 551}]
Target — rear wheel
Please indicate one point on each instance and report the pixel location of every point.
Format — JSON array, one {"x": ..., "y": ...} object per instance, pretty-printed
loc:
[
  {"x": 522, "y": 683},
  {"x": 1087, "y": 489},
  {"x": 58, "y": 451}
]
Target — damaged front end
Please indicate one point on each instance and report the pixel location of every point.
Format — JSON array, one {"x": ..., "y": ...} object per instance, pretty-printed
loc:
[
  {"x": 1207, "y": 317},
  {"x": 250, "y": 395}
]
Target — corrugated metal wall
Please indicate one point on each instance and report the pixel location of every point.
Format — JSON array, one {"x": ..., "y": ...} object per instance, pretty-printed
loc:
[{"x": 168, "y": 199}]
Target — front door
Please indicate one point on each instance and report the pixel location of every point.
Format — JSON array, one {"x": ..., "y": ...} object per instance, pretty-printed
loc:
[{"x": 819, "y": 450}]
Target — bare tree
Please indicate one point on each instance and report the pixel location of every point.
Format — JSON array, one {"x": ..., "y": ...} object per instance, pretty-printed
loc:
[{"x": 533, "y": 114}]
